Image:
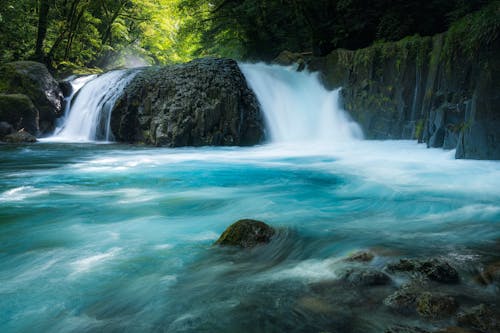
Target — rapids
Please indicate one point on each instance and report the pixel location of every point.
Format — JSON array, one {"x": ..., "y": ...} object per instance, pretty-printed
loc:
[{"x": 119, "y": 238}]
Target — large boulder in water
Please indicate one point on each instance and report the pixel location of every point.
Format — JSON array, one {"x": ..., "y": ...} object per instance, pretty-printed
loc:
[
  {"x": 246, "y": 233},
  {"x": 34, "y": 80},
  {"x": 203, "y": 102}
]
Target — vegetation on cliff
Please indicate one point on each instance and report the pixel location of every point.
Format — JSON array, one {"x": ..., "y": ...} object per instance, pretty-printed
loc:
[{"x": 66, "y": 34}]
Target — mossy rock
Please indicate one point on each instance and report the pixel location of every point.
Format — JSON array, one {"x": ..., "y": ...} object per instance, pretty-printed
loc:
[
  {"x": 246, "y": 233},
  {"x": 436, "y": 306},
  {"x": 18, "y": 111},
  {"x": 34, "y": 80},
  {"x": 434, "y": 269},
  {"x": 482, "y": 318}
]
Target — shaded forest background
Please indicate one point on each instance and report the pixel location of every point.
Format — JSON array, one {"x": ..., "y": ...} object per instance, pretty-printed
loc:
[{"x": 68, "y": 34}]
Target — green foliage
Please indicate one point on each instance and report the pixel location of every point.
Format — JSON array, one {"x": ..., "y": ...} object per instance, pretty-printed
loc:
[
  {"x": 474, "y": 32},
  {"x": 110, "y": 33}
]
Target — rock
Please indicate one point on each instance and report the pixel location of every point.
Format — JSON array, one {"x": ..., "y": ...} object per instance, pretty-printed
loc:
[
  {"x": 436, "y": 306},
  {"x": 287, "y": 58},
  {"x": 18, "y": 111},
  {"x": 203, "y": 102},
  {"x": 434, "y": 269},
  {"x": 246, "y": 233},
  {"x": 361, "y": 256},
  {"x": 365, "y": 277},
  {"x": 404, "y": 300},
  {"x": 481, "y": 318},
  {"x": 455, "y": 329},
  {"x": 66, "y": 87},
  {"x": 315, "y": 304},
  {"x": 34, "y": 80},
  {"x": 491, "y": 274},
  {"x": 405, "y": 329},
  {"x": 20, "y": 137},
  {"x": 394, "y": 90},
  {"x": 5, "y": 129}
]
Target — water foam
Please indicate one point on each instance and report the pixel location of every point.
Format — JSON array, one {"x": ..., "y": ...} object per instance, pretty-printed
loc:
[
  {"x": 297, "y": 107},
  {"x": 89, "y": 117}
]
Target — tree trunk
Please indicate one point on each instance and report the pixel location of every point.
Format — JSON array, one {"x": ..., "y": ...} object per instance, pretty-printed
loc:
[{"x": 43, "y": 20}]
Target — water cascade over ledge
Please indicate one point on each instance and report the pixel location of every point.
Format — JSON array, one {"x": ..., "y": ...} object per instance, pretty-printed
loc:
[
  {"x": 89, "y": 114},
  {"x": 297, "y": 107}
]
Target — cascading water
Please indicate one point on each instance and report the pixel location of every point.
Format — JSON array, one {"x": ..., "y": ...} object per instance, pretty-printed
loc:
[
  {"x": 89, "y": 115},
  {"x": 297, "y": 108}
]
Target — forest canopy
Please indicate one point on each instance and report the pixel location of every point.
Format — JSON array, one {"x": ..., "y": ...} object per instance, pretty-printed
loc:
[{"x": 111, "y": 33}]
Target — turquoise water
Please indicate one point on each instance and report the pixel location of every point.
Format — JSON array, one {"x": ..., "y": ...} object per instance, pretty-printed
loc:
[{"x": 117, "y": 238}]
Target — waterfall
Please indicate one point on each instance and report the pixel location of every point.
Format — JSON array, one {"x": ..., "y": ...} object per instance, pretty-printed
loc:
[
  {"x": 89, "y": 115},
  {"x": 297, "y": 107}
]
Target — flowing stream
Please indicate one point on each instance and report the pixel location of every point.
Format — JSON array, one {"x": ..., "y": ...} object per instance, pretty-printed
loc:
[{"x": 116, "y": 238}]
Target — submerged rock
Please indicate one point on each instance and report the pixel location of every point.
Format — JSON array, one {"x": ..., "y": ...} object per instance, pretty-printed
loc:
[
  {"x": 405, "y": 329},
  {"x": 201, "y": 103},
  {"x": 20, "y": 137},
  {"x": 34, "y": 80},
  {"x": 455, "y": 329},
  {"x": 434, "y": 269},
  {"x": 481, "y": 318},
  {"x": 361, "y": 256},
  {"x": 246, "y": 233},
  {"x": 491, "y": 274},
  {"x": 404, "y": 300},
  {"x": 436, "y": 306},
  {"x": 365, "y": 277}
]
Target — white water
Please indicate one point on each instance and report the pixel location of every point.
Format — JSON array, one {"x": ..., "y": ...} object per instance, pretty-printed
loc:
[
  {"x": 297, "y": 108},
  {"x": 89, "y": 116}
]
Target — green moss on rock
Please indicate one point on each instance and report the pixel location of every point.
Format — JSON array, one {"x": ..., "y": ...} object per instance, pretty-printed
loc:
[{"x": 246, "y": 233}]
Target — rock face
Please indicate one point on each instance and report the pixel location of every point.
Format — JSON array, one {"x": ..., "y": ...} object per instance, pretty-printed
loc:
[
  {"x": 203, "y": 102},
  {"x": 34, "y": 80},
  {"x": 246, "y": 233},
  {"x": 442, "y": 90},
  {"x": 17, "y": 111}
]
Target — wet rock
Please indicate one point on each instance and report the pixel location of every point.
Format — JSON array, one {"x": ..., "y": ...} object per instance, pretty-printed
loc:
[
  {"x": 491, "y": 274},
  {"x": 405, "y": 329},
  {"x": 18, "y": 111},
  {"x": 434, "y": 269},
  {"x": 315, "y": 304},
  {"x": 246, "y": 233},
  {"x": 365, "y": 277},
  {"x": 20, "y": 137},
  {"x": 455, "y": 329},
  {"x": 66, "y": 87},
  {"x": 34, "y": 80},
  {"x": 205, "y": 102},
  {"x": 404, "y": 300},
  {"x": 361, "y": 256},
  {"x": 287, "y": 58},
  {"x": 5, "y": 129},
  {"x": 436, "y": 306},
  {"x": 482, "y": 318}
]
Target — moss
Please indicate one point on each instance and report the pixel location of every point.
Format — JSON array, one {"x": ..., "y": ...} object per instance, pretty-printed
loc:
[
  {"x": 419, "y": 129},
  {"x": 475, "y": 32}
]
